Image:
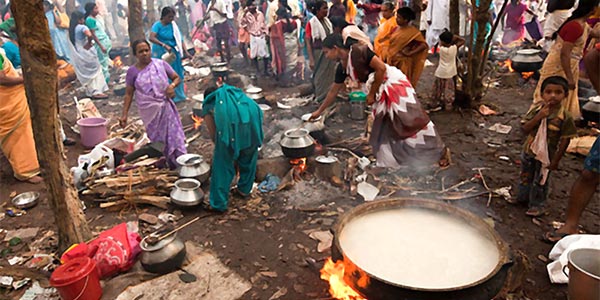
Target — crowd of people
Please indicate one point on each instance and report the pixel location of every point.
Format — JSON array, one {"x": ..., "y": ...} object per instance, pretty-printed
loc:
[{"x": 375, "y": 44}]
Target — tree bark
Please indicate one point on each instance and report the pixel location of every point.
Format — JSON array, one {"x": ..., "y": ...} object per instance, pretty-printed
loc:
[
  {"x": 151, "y": 11},
  {"x": 39, "y": 71},
  {"x": 454, "y": 16},
  {"x": 474, "y": 83},
  {"x": 136, "y": 24}
]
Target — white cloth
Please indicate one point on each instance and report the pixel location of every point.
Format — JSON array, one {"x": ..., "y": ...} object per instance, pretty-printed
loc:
[
  {"x": 258, "y": 47},
  {"x": 438, "y": 14},
  {"x": 272, "y": 7},
  {"x": 554, "y": 20},
  {"x": 86, "y": 64},
  {"x": 447, "y": 65},
  {"x": 539, "y": 147},
  {"x": 317, "y": 30},
  {"x": 560, "y": 251},
  {"x": 215, "y": 17},
  {"x": 229, "y": 9},
  {"x": 354, "y": 32},
  {"x": 177, "y": 35}
]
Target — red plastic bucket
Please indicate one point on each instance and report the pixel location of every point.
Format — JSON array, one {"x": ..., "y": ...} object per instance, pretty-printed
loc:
[
  {"x": 78, "y": 279},
  {"x": 92, "y": 131}
]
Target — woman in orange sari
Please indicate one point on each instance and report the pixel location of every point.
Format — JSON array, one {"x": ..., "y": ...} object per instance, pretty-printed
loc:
[
  {"x": 16, "y": 135},
  {"x": 408, "y": 49}
]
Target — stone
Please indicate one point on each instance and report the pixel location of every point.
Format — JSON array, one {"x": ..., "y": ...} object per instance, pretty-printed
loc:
[{"x": 148, "y": 218}]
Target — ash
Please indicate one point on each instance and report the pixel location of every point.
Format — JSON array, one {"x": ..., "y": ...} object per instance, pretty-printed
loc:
[{"x": 311, "y": 192}]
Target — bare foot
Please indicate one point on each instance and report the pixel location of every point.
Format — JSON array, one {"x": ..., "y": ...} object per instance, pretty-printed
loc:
[
  {"x": 35, "y": 179},
  {"x": 446, "y": 158}
]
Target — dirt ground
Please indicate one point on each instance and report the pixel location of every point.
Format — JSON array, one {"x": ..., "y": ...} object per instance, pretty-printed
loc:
[{"x": 270, "y": 233}]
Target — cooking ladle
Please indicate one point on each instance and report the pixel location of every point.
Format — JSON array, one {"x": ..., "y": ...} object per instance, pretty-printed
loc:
[{"x": 153, "y": 240}]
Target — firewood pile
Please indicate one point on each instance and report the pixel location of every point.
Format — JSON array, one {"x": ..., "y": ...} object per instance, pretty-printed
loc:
[{"x": 138, "y": 182}]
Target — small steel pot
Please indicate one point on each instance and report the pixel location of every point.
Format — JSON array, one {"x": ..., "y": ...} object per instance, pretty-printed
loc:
[
  {"x": 297, "y": 143},
  {"x": 193, "y": 166},
  {"x": 219, "y": 69},
  {"x": 187, "y": 192},
  {"x": 255, "y": 93},
  {"x": 527, "y": 60},
  {"x": 119, "y": 89},
  {"x": 164, "y": 257}
]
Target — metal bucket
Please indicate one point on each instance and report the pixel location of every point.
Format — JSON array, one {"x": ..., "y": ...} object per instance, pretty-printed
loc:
[{"x": 584, "y": 274}]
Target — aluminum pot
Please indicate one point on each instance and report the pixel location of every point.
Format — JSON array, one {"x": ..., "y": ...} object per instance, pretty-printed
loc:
[
  {"x": 187, "y": 192},
  {"x": 193, "y": 166},
  {"x": 374, "y": 288},
  {"x": 255, "y": 93},
  {"x": 297, "y": 143},
  {"x": 527, "y": 60},
  {"x": 591, "y": 110},
  {"x": 219, "y": 69},
  {"x": 164, "y": 257},
  {"x": 584, "y": 274}
]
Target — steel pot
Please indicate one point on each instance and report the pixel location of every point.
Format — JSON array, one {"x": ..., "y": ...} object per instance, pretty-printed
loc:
[
  {"x": 374, "y": 288},
  {"x": 527, "y": 60},
  {"x": 255, "y": 93},
  {"x": 591, "y": 110},
  {"x": 187, "y": 192},
  {"x": 164, "y": 257},
  {"x": 219, "y": 69},
  {"x": 193, "y": 166},
  {"x": 584, "y": 274},
  {"x": 297, "y": 143}
]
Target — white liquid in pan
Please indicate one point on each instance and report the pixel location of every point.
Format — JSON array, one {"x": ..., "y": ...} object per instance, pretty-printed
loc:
[{"x": 419, "y": 248}]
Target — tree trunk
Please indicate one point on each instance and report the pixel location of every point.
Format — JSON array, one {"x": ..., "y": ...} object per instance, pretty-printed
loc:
[
  {"x": 454, "y": 17},
  {"x": 151, "y": 11},
  {"x": 473, "y": 85},
  {"x": 70, "y": 7},
  {"x": 136, "y": 23},
  {"x": 417, "y": 7},
  {"x": 39, "y": 67}
]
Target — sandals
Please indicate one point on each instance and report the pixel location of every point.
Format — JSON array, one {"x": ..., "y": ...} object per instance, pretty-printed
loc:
[
  {"x": 535, "y": 211},
  {"x": 553, "y": 236}
]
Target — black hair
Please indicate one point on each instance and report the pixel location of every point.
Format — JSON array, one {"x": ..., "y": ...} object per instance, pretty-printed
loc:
[
  {"x": 446, "y": 36},
  {"x": 209, "y": 90},
  {"x": 167, "y": 10},
  {"x": 558, "y": 80},
  {"x": 314, "y": 8},
  {"x": 249, "y": 3},
  {"x": 283, "y": 13},
  {"x": 136, "y": 43},
  {"x": 336, "y": 40},
  {"x": 73, "y": 22},
  {"x": 585, "y": 7},
  {"x": 89, "y": 7},
  {"x": 48, "y": 3},
  {"x": 338, "y": 22},
  {"x": 406, "y": 13}
]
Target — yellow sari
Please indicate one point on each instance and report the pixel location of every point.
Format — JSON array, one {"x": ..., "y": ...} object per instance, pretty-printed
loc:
[
  {"x": 552, "y": 67},
  {"x": 412, "y": 67},
  {"x": 16, "y": 135},
  {"x": 382, "y": 40}
]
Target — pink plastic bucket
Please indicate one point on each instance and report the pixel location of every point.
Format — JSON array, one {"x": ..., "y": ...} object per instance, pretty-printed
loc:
[{"x": 92, "y": 131}]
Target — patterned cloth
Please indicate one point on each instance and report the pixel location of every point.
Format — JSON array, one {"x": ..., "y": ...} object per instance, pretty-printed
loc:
[
  {"x": 592, "y": 161},
  {"x": 156, "y": 110}
]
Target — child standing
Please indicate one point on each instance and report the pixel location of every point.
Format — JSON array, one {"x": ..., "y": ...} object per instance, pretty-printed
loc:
[
  {"x": 445, "y": 74},
  {"x": 549, "y": 128}
]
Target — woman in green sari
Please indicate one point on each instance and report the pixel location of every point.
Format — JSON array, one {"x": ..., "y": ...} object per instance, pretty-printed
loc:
[
  {"x": 103, "y": 43},
  {"x": 235, "y": 125}
]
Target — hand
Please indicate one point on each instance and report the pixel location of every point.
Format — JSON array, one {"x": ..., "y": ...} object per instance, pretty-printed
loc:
[
  {"x": 428, "y": 22},
  {"x": 315, "y": 115},
  {"x": 553, "y": 166},
  {"x": 123, "y": 122},
  {"x": 311, "y": 65},
  {"x": 544, "y": 112},
  {"x": 170, "y": 91},
  {"x": 168, "y": 48},
  {"x": 571, "y": 84},
  {"x": 370, "y": 98},
  {"x": 87, "y": 46}
]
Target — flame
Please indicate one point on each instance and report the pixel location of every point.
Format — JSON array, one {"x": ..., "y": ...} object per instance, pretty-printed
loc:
[
  {"x": 299, "y": 164},
  {"x": 117, "y": 62},
  {"x": 197, "y": 121},
  {"x": 526, "y": 75},
  {"x": 334, "y": 274},
  {"x": 508, "y": 63}
]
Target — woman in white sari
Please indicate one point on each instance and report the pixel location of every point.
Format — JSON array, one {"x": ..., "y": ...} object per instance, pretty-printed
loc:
[{"x": 85, "y": 59}]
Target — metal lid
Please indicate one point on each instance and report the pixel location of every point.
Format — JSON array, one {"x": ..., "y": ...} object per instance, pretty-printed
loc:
[{"x": 161, "y": 244}]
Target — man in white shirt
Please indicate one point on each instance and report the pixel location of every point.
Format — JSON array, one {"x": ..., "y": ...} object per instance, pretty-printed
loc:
[
  {"x": 438, "y": 15},
  {"x": 218, "y": 19}
]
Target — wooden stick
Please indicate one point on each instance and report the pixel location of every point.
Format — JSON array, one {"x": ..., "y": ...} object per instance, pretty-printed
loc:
[{"x": 164, "y": 236}]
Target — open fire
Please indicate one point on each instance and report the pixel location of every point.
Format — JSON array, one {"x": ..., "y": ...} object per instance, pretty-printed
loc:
[
  {"x": 197, "y": 121},
  {"x": 299, "y": 165},
  {"x": 334, "y": 274},
  {"x": 508, "y": 64},
  {"x": 117, "y": 62}
]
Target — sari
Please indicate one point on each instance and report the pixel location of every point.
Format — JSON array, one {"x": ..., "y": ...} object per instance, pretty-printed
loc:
[
  {"x": 402, "y": 133},
  {"x": 59, "y": 37},
  {"x": 324, "y": 69},
  {"x": 553, "y": 67},
  {"x": 87, "y": 68},
  {"x": 166, "y": 34},
  {"x": 350, "y": 11},
  {"x": 238, "y": 134},
  {"x": 156, "y": 110},
  {"x": 412, "y": 67},
  {"x": 97, "y": 26},
  {"x": 514, "y": 30},
  {"x": 16, "y": 134},
  {"x": 382, "y": 40},
  {"x": 284, "y": 46}
]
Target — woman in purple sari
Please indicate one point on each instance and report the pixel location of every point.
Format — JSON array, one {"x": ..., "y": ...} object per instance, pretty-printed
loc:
[{"x": 148, "y": 79}]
